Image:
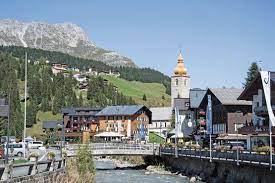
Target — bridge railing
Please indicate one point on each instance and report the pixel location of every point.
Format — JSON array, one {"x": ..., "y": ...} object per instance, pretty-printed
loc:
[
  {"x": 25, "y": 169},
  {"x": 113, "y": 148},
  {"x": 244, "y": 156}
]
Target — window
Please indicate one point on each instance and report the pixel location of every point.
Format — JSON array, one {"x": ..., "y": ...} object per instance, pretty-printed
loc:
[
  {"x": 185, "y": 82},
  {"x": 177, "y": 82}
]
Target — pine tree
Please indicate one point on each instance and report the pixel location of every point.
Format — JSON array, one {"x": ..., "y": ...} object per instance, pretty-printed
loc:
[
  {"x": 59, "y": 101},
  {"x": 31, "y": 114},
  {"x": 45, "y": 104},
  {"x": 74, "y": 100},
  {"x": 80, "y": 100},
  {"x": 251, "y": 74},
  {"x": 144, "y": 97}
]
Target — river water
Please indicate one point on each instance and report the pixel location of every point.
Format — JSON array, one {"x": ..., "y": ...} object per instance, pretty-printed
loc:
[{"x": 106, "y": 173}]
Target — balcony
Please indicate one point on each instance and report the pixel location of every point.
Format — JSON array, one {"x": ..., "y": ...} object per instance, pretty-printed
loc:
[
  {"x": 256, "y": 130},
  {"x": 262, "y": 110}
]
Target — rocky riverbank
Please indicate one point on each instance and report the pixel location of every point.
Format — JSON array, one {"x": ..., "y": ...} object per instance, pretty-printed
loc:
[{"x": 137, "y": 163}]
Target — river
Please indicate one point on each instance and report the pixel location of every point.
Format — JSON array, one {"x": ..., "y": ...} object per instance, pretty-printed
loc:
[{"x": 106, "y": 173}]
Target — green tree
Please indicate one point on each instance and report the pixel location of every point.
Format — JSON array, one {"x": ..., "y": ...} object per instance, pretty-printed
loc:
[
  {"x": 85, "y": 164},
  {"x": 45, "y": 105},
  {"x": 58, "y": 102},
  {"x": 144, "y": 97},
  {"x": 251, "y": 74},
  {"x": 31, "y": 113},
  {"x": 80, "y": 100}
]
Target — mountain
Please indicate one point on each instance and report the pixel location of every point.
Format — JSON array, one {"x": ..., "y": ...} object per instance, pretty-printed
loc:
[{"x": 65, "y": 37}]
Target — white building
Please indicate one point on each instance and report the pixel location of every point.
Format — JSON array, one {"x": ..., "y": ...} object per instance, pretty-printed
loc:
[
  {"x": 80, "y": 77},
  {"x": 161, "y": 119}
]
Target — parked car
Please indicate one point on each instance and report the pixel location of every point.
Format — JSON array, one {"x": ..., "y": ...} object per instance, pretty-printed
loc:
[
  {"x": 35, "y": 144},
  {"x": 15, "y": 149}
]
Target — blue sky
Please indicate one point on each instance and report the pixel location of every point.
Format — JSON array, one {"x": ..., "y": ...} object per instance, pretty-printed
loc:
[{"x": 219, "y": 39}]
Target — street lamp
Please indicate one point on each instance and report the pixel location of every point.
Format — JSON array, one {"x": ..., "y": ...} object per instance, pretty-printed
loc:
[{"x": 236, "y": 129}]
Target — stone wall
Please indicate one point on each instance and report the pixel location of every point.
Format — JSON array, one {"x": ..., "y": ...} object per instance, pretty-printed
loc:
[
  {"x": 215, "y": 171},
  {"x": 58, "y": 176}
]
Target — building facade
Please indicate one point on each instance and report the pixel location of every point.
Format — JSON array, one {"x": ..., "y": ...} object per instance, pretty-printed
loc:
[
  {"x": 161, "y": 119},
  {"x": 258, "y": 130},
  {"x": 80, "y": 121},
  {"x": 228, "y": 113},
  {"x": 132, "y": 121}
]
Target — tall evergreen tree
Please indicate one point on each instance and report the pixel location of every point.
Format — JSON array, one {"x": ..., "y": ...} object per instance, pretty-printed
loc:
[
  {"x": 80, "y": 100},
  {"x": 251, "y": 74},
  {"x": 31, "y": 113},
  {"x": 144, "y": 97}
]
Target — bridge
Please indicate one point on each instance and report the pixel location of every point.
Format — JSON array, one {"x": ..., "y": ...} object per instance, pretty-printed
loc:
[
  {"x": 117, "y": 149},
  {"x": 121, "y": 149}
]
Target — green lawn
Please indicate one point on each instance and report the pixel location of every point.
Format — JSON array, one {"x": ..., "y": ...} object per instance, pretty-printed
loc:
[
  {"x": 135, "y": 89},
  {"x": 36, "y": 130}
]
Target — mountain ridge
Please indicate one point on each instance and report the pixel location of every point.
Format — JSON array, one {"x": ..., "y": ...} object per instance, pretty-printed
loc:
[{"x": 65, "y": 37}]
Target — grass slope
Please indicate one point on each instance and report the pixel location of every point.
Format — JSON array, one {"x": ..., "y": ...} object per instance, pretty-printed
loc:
[
  {"x": 153, "y": 91},
  {"x": 36, "y": 130}
]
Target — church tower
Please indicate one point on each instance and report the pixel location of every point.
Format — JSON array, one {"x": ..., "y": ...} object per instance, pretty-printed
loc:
[{"x": 180, "y": 85}]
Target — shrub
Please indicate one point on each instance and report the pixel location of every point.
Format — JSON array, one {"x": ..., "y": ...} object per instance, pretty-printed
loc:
[
  {"x": 85, "y": 163},
  {"x": 51, "y": 154},
  {"x": 33, "y": 155}
]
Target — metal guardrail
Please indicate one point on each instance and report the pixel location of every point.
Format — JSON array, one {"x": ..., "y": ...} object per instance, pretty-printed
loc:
[
  {"x": 25, "y": 169},
  {"x": 244, "y": 156}
]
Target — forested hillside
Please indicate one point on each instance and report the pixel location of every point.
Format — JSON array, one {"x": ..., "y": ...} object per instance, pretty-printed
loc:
[
  {"x": 131, "y": 74},
  {"x": 48, "y": 92}
]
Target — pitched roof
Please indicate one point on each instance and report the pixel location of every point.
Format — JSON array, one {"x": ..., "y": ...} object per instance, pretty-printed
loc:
[
  {"x": 120, "y": 110},
  {"x": 161, "y": 113},
  {"x": 255, "y": 85},
  {"x": 51, "y": 124},
  {"x": 196, "y": 96},
  {"x": 73, "y": 111},
  {"x": 229, "y": 96}
]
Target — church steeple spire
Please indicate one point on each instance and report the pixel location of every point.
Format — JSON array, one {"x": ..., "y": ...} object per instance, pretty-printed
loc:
[{"x": 180, "y": 69}]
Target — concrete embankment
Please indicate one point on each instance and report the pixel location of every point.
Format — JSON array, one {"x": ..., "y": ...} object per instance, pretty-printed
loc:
[{"x": 215, "y": 171}]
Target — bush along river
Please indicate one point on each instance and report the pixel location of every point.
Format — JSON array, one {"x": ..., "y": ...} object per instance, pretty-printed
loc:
[{"x": 116, "y": 171}]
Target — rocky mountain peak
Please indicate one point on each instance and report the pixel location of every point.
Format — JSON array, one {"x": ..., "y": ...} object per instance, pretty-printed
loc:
[{"x": 63, "y": 37}]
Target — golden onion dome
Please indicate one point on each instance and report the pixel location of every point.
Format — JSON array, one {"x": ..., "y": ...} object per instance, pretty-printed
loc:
[{"x": 180, "y": 69}]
